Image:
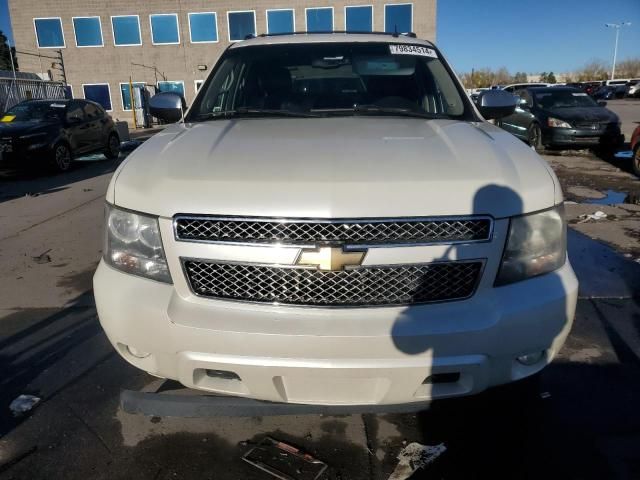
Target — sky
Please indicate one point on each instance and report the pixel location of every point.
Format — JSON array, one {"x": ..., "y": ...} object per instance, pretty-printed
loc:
[
  {"x": 528, "y": 35},
  {"x": 5, "y": 24},
  {"x": 535, "y": 36}
]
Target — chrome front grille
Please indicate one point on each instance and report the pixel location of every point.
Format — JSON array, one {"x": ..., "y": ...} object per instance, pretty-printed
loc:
[
  {"x": 362, "y": 286},
  {"x": 346, "y": 231}
]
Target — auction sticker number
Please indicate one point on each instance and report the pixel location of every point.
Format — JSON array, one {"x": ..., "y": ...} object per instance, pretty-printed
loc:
[{"x": 412, "y": 50}]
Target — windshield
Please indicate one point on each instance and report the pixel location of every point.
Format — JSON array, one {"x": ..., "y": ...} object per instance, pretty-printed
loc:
[
  {"x": 323, "y": 79},
  {"x": 37, "y": 111},
  {"x": 563, "y": 99}
]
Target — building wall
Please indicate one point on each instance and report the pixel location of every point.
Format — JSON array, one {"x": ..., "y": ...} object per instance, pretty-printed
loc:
[{"x": 113, "y": 64}]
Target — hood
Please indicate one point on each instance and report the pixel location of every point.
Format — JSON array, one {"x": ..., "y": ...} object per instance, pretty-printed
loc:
[
  {"x": 583, "y": 114},
  {"x": 20, "y": 128},
  {"x": 334, "y": 168}
]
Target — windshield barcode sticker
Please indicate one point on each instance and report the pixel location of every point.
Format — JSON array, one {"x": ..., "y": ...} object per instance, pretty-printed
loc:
[{"x": 412, "y": 50}]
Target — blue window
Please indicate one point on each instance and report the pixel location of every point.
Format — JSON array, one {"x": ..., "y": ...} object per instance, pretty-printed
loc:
[
  {"x": 126, "y": 94},
  {"x": 241, "y": 25},
  {"x": 176, "y": 87},
  {"x": 99, "y": 93},
  {"x": 49, "y": 32},
  {"x": 280, "y": 21},
  {"x": 398, "y": 18},
  {"x": 88, "y": 31},
  {"x": 203, "y": 27},
  {"x": 359, "y": 19},
  {"x": 319, "y": 19},
  {"x": 164, "y": 29},
  {"x": 126, "y": 30}
]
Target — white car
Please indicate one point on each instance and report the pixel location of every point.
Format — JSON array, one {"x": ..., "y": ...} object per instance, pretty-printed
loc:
[{"x": 333, "y": 222}]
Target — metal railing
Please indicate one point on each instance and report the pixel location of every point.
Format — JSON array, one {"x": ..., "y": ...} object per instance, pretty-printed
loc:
[{"x": 15, "y": 91}]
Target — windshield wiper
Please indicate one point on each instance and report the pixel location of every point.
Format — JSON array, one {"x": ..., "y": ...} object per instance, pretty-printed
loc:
[
  {"x": 407, "y": 112},
  {"x": 242, "y": 111},
  {"x": 376, "y": 110}
]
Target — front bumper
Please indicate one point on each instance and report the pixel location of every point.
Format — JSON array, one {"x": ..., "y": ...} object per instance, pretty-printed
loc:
[
  {"x": 351, "y": 356},
  {"x": 582, "y": 138},
  {"x": 18, "y": 153}
]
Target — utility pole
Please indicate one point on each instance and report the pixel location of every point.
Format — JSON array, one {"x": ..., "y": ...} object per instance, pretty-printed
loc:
[{"x": 617, "y": 27}]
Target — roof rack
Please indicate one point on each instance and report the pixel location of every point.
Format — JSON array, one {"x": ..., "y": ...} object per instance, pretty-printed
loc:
[{"x": 392, "y": 34}]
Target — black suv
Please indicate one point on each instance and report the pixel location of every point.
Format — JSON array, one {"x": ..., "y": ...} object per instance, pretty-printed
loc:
[{"x": 53, "y": 132}]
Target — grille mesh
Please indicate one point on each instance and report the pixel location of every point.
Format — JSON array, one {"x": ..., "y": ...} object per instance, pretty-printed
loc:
[
  {"x": 349, "y": 232},
  {"x": 389, "y": 285}
]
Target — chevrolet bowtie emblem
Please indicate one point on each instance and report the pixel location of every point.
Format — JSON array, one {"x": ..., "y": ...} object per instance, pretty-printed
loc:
[{"x": 330, "y": 259}]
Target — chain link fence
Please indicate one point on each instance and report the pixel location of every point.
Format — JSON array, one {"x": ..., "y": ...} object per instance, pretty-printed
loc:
[{"x": 15, "y": 91}]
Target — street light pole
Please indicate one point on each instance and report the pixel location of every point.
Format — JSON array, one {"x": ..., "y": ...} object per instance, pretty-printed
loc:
[{"x": 617, "y": 27}]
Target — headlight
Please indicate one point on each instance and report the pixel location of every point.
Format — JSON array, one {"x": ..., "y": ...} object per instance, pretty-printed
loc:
[
  {"x": 133, "y": 244},
  {"x": 536, "y": 244},
  {"x": 557, "y": 123}
]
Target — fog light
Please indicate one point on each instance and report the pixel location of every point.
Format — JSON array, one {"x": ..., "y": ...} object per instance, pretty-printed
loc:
[
  {"x": 137, "y": 353},
  {"x": 222, "y": 374},
  {"x": 530, "y": 358}
]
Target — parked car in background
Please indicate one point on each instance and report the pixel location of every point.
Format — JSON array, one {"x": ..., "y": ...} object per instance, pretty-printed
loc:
[
  {"x": 609, "y": 92},
  {"x": 618, "y": 81},
  {"x": 52, "y": 132},
  {"x": 563, "y": 117},
  {"x": 590, "y": 87},
  {"x": 635, "y": 148},
  {"x": 633, "y": 89},
  {"x": 516, "y": 87}
]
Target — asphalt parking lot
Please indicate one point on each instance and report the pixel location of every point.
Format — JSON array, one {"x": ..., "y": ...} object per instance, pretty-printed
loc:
[{"x": 581, "y": 422}]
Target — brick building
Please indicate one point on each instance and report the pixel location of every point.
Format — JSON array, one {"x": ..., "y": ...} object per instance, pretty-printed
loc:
[{"x": 172, "y": 44}]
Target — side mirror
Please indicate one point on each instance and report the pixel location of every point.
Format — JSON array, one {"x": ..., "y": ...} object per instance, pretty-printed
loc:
[
  {"x": 73, "y": 120},
  {"x": 602, "y": 104},
  {"x": 522, "y": 103},
  {"x": 167, "y": 106},
  {"x": 495, "y": 104}
]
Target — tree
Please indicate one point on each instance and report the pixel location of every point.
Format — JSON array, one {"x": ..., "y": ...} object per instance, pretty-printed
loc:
[
  {"x": 543, "y": 77},
  {"x": 629, "y": 68},
  {"x": 551, "y": 78},
  {"x": 594, "y": 70},
  {"x": 520, "y": 77},
  {"x": 5, "y": 56}
]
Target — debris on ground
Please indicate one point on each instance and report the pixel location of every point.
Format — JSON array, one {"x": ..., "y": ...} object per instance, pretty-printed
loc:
[
  {"x": 415, "y": 456},
  {"x": 22, "y": 404},
  {"x": 598, "y": 215},
  {"x": 284, "y": 461},
  {"x": 42, "y": 258}
]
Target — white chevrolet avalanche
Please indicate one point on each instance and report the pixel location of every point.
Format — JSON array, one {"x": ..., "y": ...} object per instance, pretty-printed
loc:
[{"x": 333, "y": 222}]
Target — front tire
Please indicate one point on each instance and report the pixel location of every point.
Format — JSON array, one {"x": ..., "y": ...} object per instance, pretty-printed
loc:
[
  {"x": 112, "y": 150},
  {"x": 61, "y": 157},
  {"x": 534, "y": 137},
  {"x": 635, "y": 161}
]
